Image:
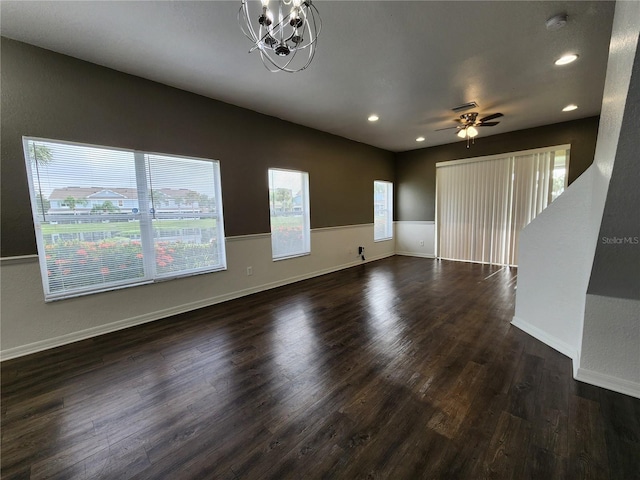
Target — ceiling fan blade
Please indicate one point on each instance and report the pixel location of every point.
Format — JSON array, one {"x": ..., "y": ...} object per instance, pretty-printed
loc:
[
  {"x": 491, "y": 117},
  {"x": 487, "y": 124},
  {"x": 447, "y": 128}
]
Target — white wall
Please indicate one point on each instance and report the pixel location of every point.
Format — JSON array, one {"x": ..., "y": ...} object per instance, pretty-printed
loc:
[
  {"x": 557, "y": 249},
  {"x": 611, "y": 344},
  {"x": 30, "y": 325},
  {"x": 554, "y": 268},
  {"x": 415, "y": 238}
]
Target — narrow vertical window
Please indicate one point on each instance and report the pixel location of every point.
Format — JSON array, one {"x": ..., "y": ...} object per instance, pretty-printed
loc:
[
  {"x": 382, "y": 210},
  {"x": 107, "y": 218},
  {"x": 289, "y": 213}
]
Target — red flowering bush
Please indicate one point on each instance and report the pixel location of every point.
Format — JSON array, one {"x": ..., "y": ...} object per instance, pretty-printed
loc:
[
  {"x": 286, "y": 239},
  {"x": 77, "y": 264}
]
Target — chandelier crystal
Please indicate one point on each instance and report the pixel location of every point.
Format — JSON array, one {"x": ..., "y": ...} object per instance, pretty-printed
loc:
[{"x": 284, "y": 33}]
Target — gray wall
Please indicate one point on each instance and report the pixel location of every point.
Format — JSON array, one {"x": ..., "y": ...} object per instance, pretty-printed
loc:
[
  {"x": 416, "y": 169},
  {"x": 45, "y": 94},
  {"x": 616, "y": 264}
]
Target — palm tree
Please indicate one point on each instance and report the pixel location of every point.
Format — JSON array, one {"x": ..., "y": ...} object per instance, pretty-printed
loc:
[
  {"x": 40, "y": 154},
  {"x": 282, "y": 198},
  {"x": 106, "y": 207},
  {"x": 191, "y": 198},
  {"x": 179, "y": 201},
  {"x": 42, "y": 204},
  {"x": 72, "y": 203}
]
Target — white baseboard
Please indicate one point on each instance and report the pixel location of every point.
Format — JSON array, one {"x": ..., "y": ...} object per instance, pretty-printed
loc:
[
  {"x": 544, "y": 337},
  {"x": 583, "y": 375},
  {"x": 609, "y": 382},
  {"x": 35, "y": 347},
  {"x": 415, "y": 254}
]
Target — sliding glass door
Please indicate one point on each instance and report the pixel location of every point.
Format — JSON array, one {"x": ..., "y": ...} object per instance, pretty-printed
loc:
[{"x": 483, "y": 203}]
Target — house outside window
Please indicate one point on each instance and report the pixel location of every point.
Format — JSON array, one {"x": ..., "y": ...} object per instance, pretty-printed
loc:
[
  {"x": 289, "y": 213},
  {"x": 382, "y": 210},
  {"x": 107, "y": 218}
]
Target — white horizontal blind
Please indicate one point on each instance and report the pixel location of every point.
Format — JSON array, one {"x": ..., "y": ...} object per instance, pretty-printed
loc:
[
  {"x": 187, "y": 219},
  {"x": 483, "y": 205},
  {"x": 382, "y": 210},
  {"x": 289, "y": 213},
  {"x": 107, "y": 218}
]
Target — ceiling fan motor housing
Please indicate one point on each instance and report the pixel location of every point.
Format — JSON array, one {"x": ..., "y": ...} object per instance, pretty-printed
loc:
[{"x": 469, "y": 118}]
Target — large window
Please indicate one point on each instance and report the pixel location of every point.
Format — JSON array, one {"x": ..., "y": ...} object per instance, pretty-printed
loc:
[
  {"x": 382, "y": 210},
  {"x": 107, "y": 218},
  {"x": 482, "y": 204},
  {"x": 289, "y": 211}
]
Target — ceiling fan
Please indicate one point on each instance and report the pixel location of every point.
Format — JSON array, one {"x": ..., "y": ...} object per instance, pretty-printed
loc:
[{"x": 468, "y": 123}]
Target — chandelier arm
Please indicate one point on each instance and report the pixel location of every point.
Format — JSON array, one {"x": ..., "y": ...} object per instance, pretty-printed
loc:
[
  {"x": 279, "y": 68},
  {"x": 251, "y": 34},
  {"x": 266, "y": 61},
  {"x": 283, "y": 68}
]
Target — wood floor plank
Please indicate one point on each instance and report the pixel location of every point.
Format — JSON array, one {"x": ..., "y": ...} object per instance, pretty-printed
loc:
[
  {"x": 508, "y": 448},
  {"x": 586, "y": 439},
  {"x": 403, "y": 368}
]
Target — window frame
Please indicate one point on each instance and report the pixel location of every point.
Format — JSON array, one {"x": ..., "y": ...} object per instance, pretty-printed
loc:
[
  {"x": 389, "y": 210},
  {"x": 151, "y": 275},
  {"x": 306, "y": 230}
]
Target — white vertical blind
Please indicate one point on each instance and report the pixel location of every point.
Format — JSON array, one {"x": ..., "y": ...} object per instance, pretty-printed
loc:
[
  {"x": 473, "y": 215},
  {"x": 483, "y": 204},
  {"x": 107, "y": 218},
  {"x": 532, "y": 188}
]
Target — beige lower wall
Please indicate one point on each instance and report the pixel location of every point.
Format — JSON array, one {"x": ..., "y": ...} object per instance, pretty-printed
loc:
[
  {"x": 28, "y": 324},
  {"x": 416, "y": 239}
]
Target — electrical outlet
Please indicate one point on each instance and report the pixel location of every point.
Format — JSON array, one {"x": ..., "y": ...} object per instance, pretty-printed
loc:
[
  {"x": 249, "y": 271},
  {"x": 422, "y": 243}
]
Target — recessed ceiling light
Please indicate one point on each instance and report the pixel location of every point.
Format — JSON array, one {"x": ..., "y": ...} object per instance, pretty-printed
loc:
[
  {"x": 565, "y": 59},
  {"x": 420, "y": 139},
  {"x": 373, "y": 118},
  {"x": 569, "y": 108}
]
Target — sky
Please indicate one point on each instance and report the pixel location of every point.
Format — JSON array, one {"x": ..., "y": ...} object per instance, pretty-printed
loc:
[{"x": 75, "y": 165}]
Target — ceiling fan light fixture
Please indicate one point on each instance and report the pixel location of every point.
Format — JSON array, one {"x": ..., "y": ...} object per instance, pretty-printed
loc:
[
  {"x": 463, "y": 133},
  {"x": 472, "y": 131},
  {"x": 566, "y": 59}
]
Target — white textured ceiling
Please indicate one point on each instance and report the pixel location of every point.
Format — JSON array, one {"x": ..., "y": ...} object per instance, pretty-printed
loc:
[{"x": 408, "y": 62}]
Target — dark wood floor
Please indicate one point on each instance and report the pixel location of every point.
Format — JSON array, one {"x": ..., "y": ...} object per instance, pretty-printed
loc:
[{"x": 404, "y": 368}]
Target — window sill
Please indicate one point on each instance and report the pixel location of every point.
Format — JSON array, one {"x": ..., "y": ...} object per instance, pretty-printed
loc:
[
  {"x": 288, "y": 257},
  {"x": 382, "y": 239}
]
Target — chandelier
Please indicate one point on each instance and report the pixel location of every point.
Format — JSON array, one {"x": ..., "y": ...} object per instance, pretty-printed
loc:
[{"x": 285, "y": 35}]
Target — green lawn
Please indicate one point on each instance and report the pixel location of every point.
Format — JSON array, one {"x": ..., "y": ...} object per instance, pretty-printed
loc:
[
  {"x": 125, "y": 229},
  {"x": 286, "y": 221}
]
